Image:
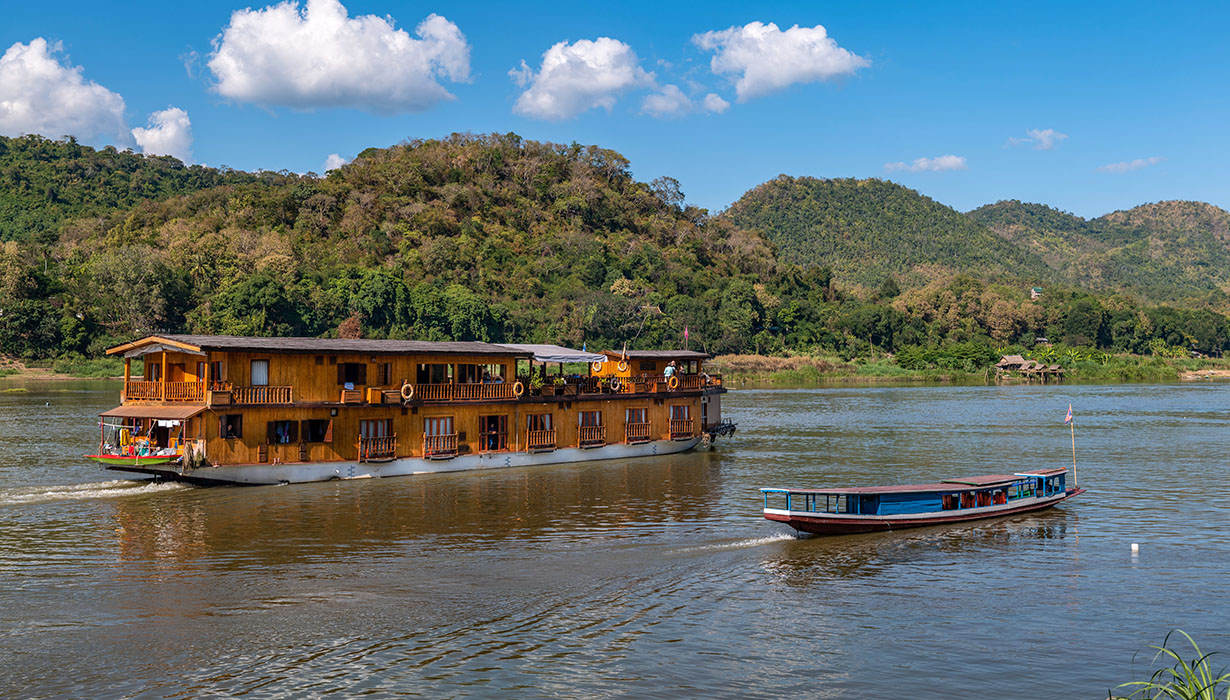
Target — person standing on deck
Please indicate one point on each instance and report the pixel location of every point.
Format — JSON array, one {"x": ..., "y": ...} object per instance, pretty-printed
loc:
[{"x": 670, "y": 370}]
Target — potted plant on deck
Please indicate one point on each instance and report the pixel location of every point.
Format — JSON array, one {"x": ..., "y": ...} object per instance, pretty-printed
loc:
[{"x": 536, "y": 384}]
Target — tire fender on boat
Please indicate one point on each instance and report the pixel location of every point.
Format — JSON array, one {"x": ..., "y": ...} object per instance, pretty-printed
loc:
[
  {"x": 614, "y": 384},
  {"x": 407, "y": 391}
]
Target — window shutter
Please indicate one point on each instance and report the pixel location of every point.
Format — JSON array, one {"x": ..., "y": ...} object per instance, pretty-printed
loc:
[
  {"x": 341, "y": 373},
  {"x": 329, "y": 432},
  {"x": 294, "y": 431},
  {"x": 362, "y": 373},
  {"x": 269, "y": 434},
  {"x": 222, "y": 426}
]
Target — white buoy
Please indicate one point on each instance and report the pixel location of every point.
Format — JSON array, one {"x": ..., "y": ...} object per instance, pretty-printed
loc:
[{"x": 1135, "y": 548}]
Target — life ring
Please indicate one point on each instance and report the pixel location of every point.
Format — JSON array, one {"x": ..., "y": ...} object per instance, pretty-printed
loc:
[
  {"x": 596, "y": 365},
  {"x": 672, "y": 383},
  {"x": 622, "y": 366},
  {"x": 518, "y": 388},
  {"x": 614, "y": 384},
  {"x": 407, "y": 391}
]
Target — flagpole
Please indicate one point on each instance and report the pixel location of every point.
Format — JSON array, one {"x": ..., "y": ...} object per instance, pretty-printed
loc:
[{"x": 1072, "y": 425}]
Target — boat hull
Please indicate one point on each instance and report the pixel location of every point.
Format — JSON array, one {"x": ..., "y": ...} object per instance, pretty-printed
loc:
[
  {"x": 843, "y": 524},
  {"x": 304, "y": 472}
]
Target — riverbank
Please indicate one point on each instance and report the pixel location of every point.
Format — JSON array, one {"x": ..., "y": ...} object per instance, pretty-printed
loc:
[
  {"x": 804, "y": 370},
  {"x": 61, "y": 369}
]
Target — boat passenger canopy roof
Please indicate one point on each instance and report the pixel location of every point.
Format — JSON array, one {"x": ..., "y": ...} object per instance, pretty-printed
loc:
[
  {"x": 555, "y": 353},
  {"x": 658, "y": 354},
  {"x": 156, "y": 412},
  {"x": 160, "y": 347}
]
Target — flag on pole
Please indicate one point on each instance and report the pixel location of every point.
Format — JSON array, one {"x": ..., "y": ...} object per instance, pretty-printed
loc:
[
  {"x": 1068, "y": 418},
  {"x": 685, "y": 332}
]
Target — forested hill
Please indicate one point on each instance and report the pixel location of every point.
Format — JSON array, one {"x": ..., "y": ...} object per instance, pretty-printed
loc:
[
  {"x": 1164, "y": 251},
  {"x": 492, "y": 237},
  {"x": 44, "y": 183},
  {"x": 868, "y": 230},
  {"x": 470, "y": 237}
]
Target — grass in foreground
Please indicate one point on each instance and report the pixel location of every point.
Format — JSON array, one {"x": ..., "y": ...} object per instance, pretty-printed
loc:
[{"x": 1184, "y": 680}]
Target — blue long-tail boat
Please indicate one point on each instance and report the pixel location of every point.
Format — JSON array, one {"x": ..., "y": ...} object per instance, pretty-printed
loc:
[{"x": 841, "y": 511}]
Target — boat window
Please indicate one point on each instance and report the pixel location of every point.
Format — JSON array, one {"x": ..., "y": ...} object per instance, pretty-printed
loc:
[
  {"x": 232, "y": 425},
  {"x": 282, "y": 432},
  {"x": 589, "y": 418},
  {"x": 949, "y": 501},
  {"x": 967, "y": 499},
  {"x": 434, "y": 374},
  {"x": 215, "y": 371},
  {"x": 376, "y": 428},
  {"x": 681, "y": 412},
  {"x": 353, "y": 373},
  {"x": 648, "y": 366},
  {"x": 154, "y": 371},
  {"x": 494, "y": 432},
  {"x": 260, "y": 373},
  {"x": 200, "y": 371},
  {"x": 999, "y": 497},
  {"x": 636, "y": 415},
  {"x": 437, "y": 426},
  {"x": 317, "y": 430},
  {"x": 385, "y": 372},
  {"x": 538, "y": 421}
]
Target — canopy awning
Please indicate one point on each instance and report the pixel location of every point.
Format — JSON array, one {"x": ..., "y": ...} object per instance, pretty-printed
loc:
[
  {"x": 158, "y": 412},
  {"x": 159, "y": 347},
  {"x": 556, "y": 353}
]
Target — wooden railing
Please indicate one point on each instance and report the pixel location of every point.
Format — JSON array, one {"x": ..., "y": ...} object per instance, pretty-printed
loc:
[
  {"x": 184, "y": 391},
  {"x": 540, "y": 440},
  {"x": 689, "y": 381},
  {"x": 492, "y": 442},
  {"x": 636, "y": 432},
  {"x": 261, "y": 394},
  {"x": 377, "y": 449},
  {"x": 681, "y": 429},
  {"x": 143, "y": 391},
  {"x": 440, "y": 445},
  {"x": 592, "y": 435},
  {"x": 464, "y": 392}
]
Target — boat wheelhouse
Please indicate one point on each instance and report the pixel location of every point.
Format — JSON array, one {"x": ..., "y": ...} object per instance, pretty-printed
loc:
[
  {"x": 875, "y": 508},
  {"x": 228, "y": 409}
]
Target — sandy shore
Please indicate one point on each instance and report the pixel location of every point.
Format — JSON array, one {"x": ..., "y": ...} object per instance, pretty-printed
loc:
[{"x": 1205, "y": 374}]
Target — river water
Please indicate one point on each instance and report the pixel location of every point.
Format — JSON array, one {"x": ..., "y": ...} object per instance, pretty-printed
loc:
[{"x": 652, "y": 578}]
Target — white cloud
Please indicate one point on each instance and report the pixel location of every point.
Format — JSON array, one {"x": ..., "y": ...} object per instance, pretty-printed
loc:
[
  {"x": 41, "y": 95},
  {"x": 321, "y": 57},
  {"x": 334, "y": 161},
  {"x": 714, "y": 103},
  {"x": 169, "y": 133},
  {"x": 670, "y": 102},
  {"x": 1128, "y": 166},
  {"x": 935, "y": 165},
  {"x": 577, "y": 77},
  {"x": 1042, "y": 139},
  {"x": 767, "y": 60}
]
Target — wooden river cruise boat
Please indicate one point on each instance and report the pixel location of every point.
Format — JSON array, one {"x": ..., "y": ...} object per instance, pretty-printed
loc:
[
  {"x": 235, "y": 410},
  {"x": 845, "y": 511}
]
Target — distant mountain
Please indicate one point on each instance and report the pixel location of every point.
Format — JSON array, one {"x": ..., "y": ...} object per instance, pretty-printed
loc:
[
  {"x": 867, "y": 230},
  {"x": 1164, "y": 251}
]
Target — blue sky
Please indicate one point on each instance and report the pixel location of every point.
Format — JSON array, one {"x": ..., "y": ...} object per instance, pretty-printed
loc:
[{"x": 941, "y": 98}]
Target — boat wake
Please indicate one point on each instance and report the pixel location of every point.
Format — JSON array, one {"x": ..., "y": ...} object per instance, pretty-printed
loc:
[
  {"x": 739, "y": 544},
  {"x": 83, "y": 492}
]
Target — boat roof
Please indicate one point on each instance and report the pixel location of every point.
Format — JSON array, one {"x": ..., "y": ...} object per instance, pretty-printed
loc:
[
  {"x": 555, "y": 353},
  {"x": 968, "y": 483},
  {"x": 157, "y": 412},
  {"x": 199, "y": 343},
  {"x": 658, "y": 354}
]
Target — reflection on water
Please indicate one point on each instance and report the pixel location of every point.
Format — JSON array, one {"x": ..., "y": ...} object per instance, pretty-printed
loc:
[{"x": 647, "y": 578}]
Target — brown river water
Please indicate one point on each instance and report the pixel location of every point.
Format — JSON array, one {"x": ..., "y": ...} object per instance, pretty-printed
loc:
[{"x": 651, "y": 578}]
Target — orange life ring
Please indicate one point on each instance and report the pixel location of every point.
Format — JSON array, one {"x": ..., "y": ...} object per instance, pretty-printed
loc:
[
  {"x": 622, "y": 366},
  {"x": 518, "y": 388},
  {"x": 596, "y": 365},
  {"x": 672, "y": 383},
  {"x": 407, "y": 391}
]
